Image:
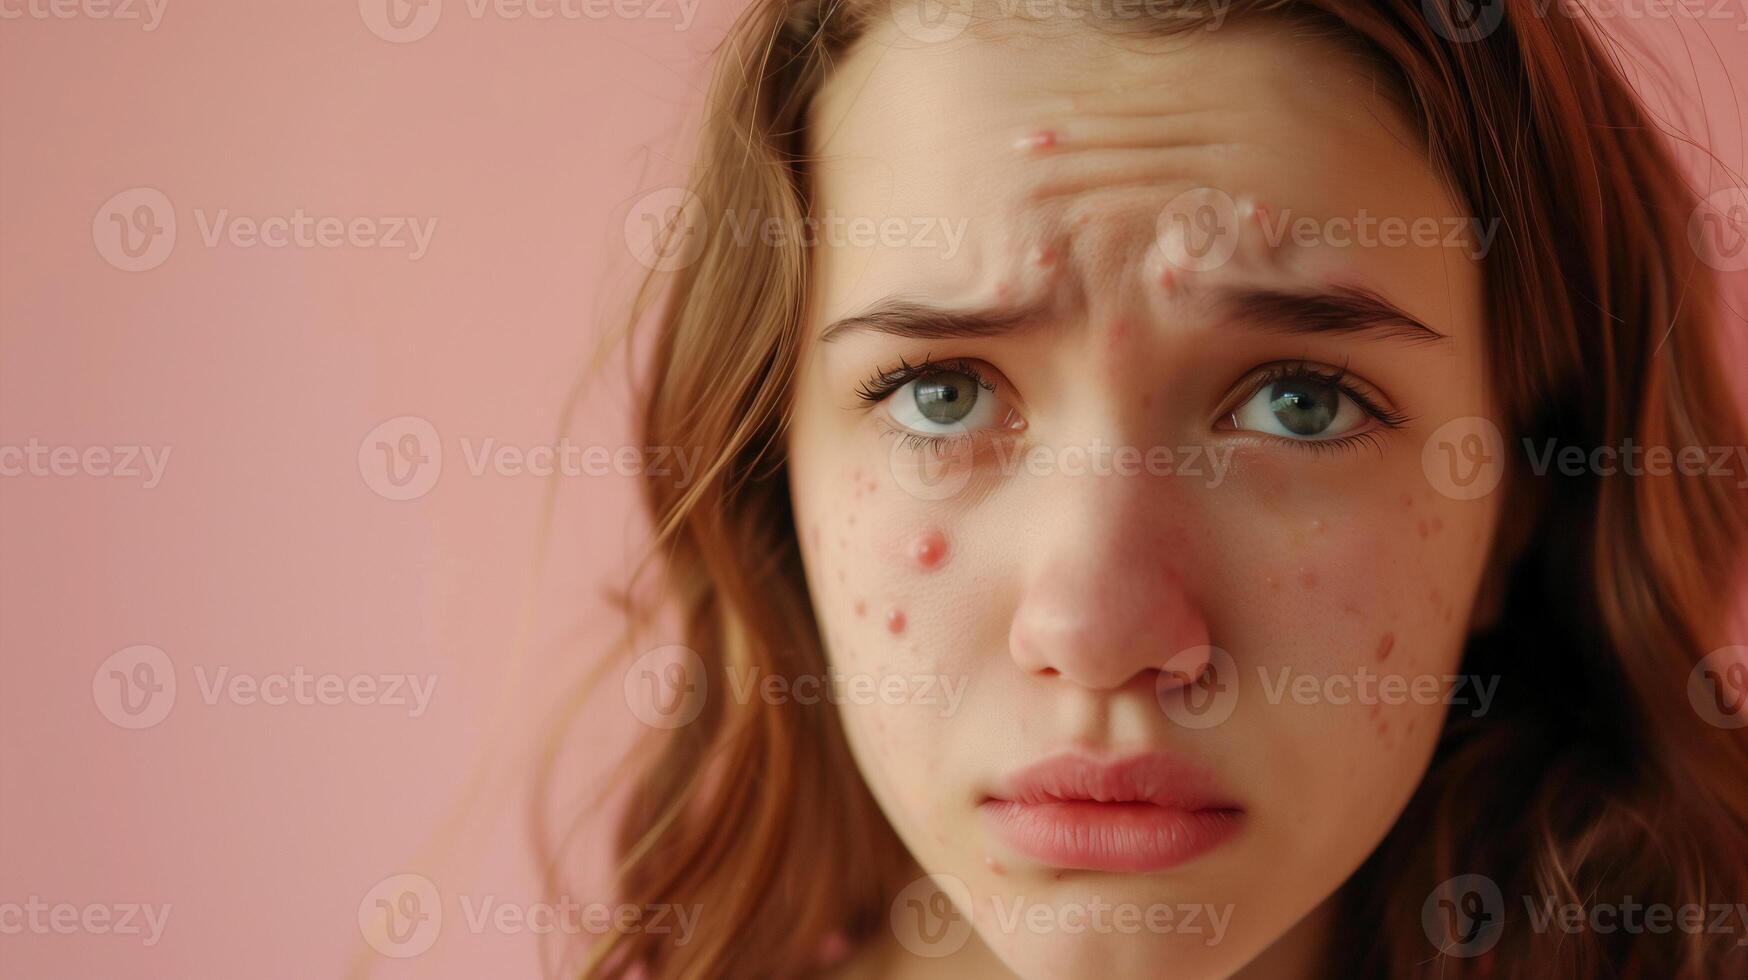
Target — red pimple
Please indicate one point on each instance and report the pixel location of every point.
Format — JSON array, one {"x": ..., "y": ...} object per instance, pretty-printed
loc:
[
  {"x": 929, "y": 549},
  {"x": 1308, "y": 579},
  {"x": 1043, "y": 139},
  {"x": 1043, "y": 256},
  {"x": 861, "y": 608},
  {"x": 895, "y": 621},
  {"x": 1168, "y": 279},
  {"x": 1385, "y": 645}
]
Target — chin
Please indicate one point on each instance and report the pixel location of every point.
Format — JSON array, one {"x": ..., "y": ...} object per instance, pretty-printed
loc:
[{"x": 1111, "y": 956}]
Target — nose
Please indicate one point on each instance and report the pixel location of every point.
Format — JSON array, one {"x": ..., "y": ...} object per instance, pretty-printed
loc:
[{"x": 1109, "y": 601}]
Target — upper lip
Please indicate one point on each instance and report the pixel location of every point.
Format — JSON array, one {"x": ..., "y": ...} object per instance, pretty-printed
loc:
[{"x": 1155, "y": 778}]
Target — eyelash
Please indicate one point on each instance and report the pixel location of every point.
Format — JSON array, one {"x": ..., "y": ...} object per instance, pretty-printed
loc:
[
  {"x": 881, "y": 384},
  {"x": 1337, "y": 379}
]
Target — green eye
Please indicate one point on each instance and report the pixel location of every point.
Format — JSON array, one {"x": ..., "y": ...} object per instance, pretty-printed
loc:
[
  {"x": 947, "y": 398},
  {"x": 1304, "y": 407},
  {"x": 941, "y": 400}
]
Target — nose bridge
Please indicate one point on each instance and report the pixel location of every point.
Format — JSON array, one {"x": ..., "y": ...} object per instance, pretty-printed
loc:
[{"x": 1108, "y": 594}]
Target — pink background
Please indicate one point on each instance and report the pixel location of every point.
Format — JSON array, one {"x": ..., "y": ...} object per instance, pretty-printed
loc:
[{"x": 266, "y": 547}]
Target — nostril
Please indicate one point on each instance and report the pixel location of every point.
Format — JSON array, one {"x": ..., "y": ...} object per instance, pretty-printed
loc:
[{"x": 1172, "y": 677}]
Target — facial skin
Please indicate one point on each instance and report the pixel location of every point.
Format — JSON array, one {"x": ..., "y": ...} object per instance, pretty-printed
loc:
[{"x": 1064, "y": 600}]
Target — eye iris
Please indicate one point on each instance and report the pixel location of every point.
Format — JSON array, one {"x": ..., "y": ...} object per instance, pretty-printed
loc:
[
  {"x": 945, "y": 398},
  {"x": 1306, "y": 408}
]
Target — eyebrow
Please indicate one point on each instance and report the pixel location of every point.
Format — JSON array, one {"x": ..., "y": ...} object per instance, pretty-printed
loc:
[{"x": 1344, "y": 310}]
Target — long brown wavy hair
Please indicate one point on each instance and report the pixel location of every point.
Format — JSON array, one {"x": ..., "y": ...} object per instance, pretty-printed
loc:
[{"x": 1593, "y": 779}]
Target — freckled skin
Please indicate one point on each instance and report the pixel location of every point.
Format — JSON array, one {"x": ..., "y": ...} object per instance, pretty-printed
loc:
[{"x": 1064, "y": 596}]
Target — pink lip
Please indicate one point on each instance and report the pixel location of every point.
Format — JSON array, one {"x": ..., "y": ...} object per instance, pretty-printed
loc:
[{"x": 1140, "y": 813}]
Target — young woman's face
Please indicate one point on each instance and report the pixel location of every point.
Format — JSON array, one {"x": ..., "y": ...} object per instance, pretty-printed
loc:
[{"x": 1114, "y": 470}]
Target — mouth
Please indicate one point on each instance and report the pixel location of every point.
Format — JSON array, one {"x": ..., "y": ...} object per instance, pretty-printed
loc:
[{"x": 1141, "y": 813}]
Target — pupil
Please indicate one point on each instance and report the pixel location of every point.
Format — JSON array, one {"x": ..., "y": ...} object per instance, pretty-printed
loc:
[
  {"x": 945, "y": 398},
  {"x": 1305, "y": 408}
]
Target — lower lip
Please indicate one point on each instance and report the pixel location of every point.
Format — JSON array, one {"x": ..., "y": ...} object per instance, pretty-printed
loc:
[{"x": 1127, "y": 837}]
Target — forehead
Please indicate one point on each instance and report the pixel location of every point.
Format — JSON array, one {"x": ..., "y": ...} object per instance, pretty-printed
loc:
[{"x": 1036, "y": 134}]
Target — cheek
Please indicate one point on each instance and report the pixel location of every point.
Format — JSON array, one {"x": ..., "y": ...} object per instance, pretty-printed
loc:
[
  {"x": 1346, "y": 608},
  {"x": 884, "y": 571}
]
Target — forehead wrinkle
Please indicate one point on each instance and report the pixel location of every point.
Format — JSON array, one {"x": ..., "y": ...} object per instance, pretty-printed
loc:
[{"x": 1145, "y": 170}]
